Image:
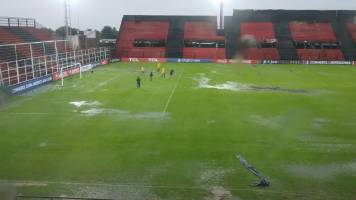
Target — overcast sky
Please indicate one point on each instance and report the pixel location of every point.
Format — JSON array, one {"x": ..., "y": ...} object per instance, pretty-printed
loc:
[{"x": 97, "y": 13}]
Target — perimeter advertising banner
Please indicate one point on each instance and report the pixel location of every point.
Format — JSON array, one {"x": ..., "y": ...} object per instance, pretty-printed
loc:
[
  {"x": 178, "y": 60},
  {"x": 115, "y": 60},
  {"x": 228, "y": 61},
  {"x": 185, "y": 60},
  {"x": 329, "y": 62},
  {"x": 105, "y": 62},
  {"x": 144, "y": 59},
  {"x": 57, "y": 76},
  {"x": 30, "y": 84},
  {"x": 86, "y": 68}
]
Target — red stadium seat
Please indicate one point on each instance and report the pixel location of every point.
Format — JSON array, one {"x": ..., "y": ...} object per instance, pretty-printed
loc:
[
  {"x": 203, "y": 31},
  {"x": 39, "y": 34},
  {"x": 261, "y": 31},
  {"x": 7, "y": 37},
  {"x": 261, "y": 54},
  {"x": 204, "y": 53},
  {"x": 131, "y": 31},
  {"x": 21, "y": 36},
  {"x": 320, "y": 54},
  {"x": 352, "y": 29},
  {"x": 312, "y": 32}
]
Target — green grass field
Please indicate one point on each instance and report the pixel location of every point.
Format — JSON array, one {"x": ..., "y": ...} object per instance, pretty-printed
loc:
[{"x": 176, "y": 138}]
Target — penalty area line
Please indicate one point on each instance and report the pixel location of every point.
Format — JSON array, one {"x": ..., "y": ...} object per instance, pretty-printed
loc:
[
  {"x": 105, "y": 83},
  {"x": 173, "y": 91},
  {"x": 23, "y": 183}
]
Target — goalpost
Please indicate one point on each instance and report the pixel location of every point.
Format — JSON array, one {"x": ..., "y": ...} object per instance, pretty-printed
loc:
[
  {"x": 70, "y": 70},
  {"x": 76, "y": 68},
  {"x": 85, "y": 68},
  {"x": 72, "y": 65}
]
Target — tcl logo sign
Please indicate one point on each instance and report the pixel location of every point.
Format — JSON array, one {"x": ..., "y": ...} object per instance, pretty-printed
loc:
[
  {"x": 134, "y": 60},
  {"x": 153, "y": 60}
]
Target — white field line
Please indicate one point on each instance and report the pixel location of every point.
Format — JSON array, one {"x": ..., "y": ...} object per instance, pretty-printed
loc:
[
  {"x": 173, "y": 91},
  {"x": 49, "y": 114},
  {"x": 104, "y": 83},
  {"x": 46, "y": 183},
  {"x": 138, "y": 185},
  {"x": 36, "y": 113}
]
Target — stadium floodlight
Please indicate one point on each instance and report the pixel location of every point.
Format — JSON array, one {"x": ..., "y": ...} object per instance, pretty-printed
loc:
[
  {"x": 67, "y": 18},
  {"x": 68, "y": 4},
  {"x": 221, "y": 22},
  {"x": 73, "y": 2},
  {"x": 219, "y": 2}
]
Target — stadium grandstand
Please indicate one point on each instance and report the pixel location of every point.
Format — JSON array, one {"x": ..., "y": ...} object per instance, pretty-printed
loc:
[
  {"x": 257, "y": 105},
  {"x": 276, "y": 35}
]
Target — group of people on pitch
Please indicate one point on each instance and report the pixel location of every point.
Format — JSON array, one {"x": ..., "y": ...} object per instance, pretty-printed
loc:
[{"x": 161, "y": 70}]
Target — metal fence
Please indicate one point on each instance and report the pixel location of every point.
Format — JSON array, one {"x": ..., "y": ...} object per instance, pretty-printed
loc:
[
  {"x": 18, "y": 22},
  {"x": 20, "y": 51},
  {"x": 54, "y": 198},
  {"x": 36, "y": 65}
]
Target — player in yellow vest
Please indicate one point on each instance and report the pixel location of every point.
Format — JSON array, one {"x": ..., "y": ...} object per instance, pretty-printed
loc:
[
  {"x": 159, "y": 67},
  {"x": 163, "y": 72},
  {"x": 142, "y": 69}
]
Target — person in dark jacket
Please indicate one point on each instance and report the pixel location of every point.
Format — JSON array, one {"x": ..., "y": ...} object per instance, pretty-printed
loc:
[
  {"x": 138, "y": 82},
  {"x": 151, "y": 76},
  {"x": 171, "y": 72}
]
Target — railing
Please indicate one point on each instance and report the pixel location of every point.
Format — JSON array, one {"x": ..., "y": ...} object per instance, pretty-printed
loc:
[
  {"x": 18, "y": 22},
  {"x": 22, "y": 70},
  {"x": 54, "y": 198},
  {"x": 18, "y": 51}
]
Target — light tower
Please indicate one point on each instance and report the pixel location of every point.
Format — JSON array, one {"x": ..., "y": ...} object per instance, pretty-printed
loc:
[
  {"x": 67, "y": 18},
  {"x": 221, "y": 21}
]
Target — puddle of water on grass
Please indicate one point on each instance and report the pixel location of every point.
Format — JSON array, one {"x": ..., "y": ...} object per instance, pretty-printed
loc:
[
  {"x": 326, "y": 144},
  {"x": 209, "y": 176},
  {"x": 23, "y": 183},
  {"x": 125, "y": 114},
  {"x": 111, "y": 192},
  {"x": 95, "y": 109},
  {"x": 203, "y": 83},
  {"x": 79, "y": 104},
  {"x": 320, "y": 122},
  {"x": 322, "y": 172},
  {"x": 220, "y": 193},
  {"x": 272, "y": 122},
  {"x": 42, "y": 145}
]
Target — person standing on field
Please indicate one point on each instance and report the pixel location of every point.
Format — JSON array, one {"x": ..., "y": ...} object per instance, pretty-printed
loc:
[
  {"x": 158, "y": 67},
  {"x": 138, "y": 82},
  {"x": 151, "y": 76},
  {"x": 163, "y": 72},
  {"x": 171, "y": 73},
  {"x": 142, "y": 69}
]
